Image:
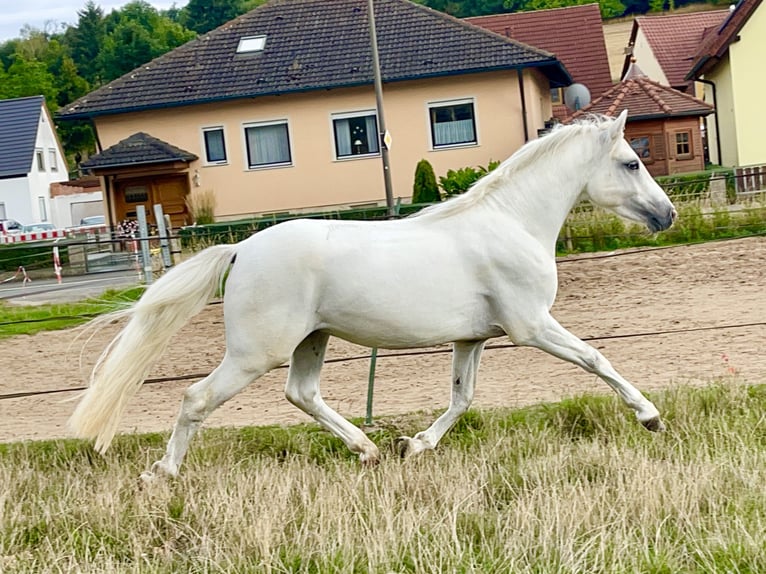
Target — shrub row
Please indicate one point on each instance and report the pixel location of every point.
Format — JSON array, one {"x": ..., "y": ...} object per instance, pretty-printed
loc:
[{"x": 30, "y": 255}]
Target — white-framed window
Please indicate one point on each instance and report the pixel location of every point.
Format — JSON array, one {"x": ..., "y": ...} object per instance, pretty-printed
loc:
[
  {"x": 43, "y": 208},
  {"x": 251, "y": 44},
  {"x": 267, "y": 144},
  {"x": 52, "y": 160},
  {"x": 215, "y": 145},
  {"x": 40, "y": 160},
  {"x": 452, "y": 123},
  {"x": 355, "y": 134}
]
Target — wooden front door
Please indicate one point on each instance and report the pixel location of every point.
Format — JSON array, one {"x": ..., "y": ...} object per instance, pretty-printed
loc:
[{"x": 169, "y": 191}]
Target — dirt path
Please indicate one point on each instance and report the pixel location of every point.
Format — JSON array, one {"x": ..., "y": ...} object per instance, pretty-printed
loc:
[{"x": 677, "y": 288}]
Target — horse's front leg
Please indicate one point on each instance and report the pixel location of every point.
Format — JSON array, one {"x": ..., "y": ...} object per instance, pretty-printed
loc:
[
  {"x": 552, "y": 338},
  {"x": 465, "y": 365}
]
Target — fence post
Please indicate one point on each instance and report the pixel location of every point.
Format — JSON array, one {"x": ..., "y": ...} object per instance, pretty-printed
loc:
[
  {"x": 175, "y": 243},
  {"x": 371, "y": 385},
  {"x": 56, "y": 263},
  {"x": 143, "y": 238},
  {"x": 159, "y": 217}
]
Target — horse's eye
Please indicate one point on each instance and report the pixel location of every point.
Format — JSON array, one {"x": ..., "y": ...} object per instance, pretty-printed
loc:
[{"x": 632, "y": 165}]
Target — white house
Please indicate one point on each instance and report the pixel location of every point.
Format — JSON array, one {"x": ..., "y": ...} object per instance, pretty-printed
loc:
[{"x": 31, "y": 159}]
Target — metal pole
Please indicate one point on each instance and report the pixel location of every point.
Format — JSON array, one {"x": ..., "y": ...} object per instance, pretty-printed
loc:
[
  {"x": 143, "y": 238},
  {"x": 379, "y": 103},
  {"x": 371, "y": 386},
  {"x": 159, "y": 217}
]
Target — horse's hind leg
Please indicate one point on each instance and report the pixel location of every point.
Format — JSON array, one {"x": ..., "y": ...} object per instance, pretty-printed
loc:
[
  {"x": 465, "y": 366},
  {"x": 302, "y": 390},
  {"x": 200, "y": 399}
]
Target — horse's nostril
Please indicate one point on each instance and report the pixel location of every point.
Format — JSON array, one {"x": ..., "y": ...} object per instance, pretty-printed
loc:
[{"x": 673, "y": 214}]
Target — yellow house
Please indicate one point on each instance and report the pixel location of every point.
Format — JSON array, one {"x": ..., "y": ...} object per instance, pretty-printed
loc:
[
  {"x": 275, "y": 111},
  {"x": 730, "y": 64}
]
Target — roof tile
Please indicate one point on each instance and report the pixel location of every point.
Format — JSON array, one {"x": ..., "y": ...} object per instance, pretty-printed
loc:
[
  {"x": 645, "y": 99},
  {"x": 574, "y": 34},
  {"x": 675, "y": 38},
  {"x": 137, "y": 149},
  {"x": 715, "y": 40},
  {"x": 19, "y": 119},
  {"x": 312, "y": 45}
]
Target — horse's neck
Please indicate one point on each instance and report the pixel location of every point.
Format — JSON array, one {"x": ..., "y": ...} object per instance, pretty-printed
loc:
[{"x": 540, "y": 197}]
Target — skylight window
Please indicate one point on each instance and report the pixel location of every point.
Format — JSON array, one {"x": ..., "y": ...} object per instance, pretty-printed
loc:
[{"x": 249, "y": 44}]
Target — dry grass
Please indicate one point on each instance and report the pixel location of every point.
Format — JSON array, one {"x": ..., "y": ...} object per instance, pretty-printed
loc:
[
  {"x": 201, "y": 204},
  {"x": 574, "y": 487}
]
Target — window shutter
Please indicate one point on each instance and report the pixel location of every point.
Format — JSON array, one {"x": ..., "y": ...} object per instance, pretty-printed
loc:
[{"x": 659, "y": 147}]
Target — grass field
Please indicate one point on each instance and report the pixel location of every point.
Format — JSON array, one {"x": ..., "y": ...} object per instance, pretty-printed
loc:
[{"x": 573, "y": 487}]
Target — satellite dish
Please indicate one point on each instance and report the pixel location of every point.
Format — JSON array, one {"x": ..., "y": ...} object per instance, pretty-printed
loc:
[{"x": 576, "y": 97}]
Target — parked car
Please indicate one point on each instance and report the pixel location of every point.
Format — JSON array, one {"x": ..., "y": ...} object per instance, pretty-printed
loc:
[
  {"x": 9, "y": 226},
  {"x": 35, "y": 227},
  {"x": 93, "y": 220}
]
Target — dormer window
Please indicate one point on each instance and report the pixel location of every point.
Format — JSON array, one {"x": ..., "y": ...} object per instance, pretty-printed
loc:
[{"x": 248, "y": 44}]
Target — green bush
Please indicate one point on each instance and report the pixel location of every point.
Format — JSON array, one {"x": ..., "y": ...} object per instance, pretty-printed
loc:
[
  {"x": 425, "y": 189},
  {"x": 695, "y": 186},
  {"x": 459, "y": 181},
  {"x": 30, "y": 255}
]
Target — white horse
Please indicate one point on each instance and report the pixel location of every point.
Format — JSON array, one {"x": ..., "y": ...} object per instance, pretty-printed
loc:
[{"x": 478, "y": 266}]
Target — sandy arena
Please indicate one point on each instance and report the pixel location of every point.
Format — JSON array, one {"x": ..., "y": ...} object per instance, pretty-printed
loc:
[{"x": 715, "y": 284}]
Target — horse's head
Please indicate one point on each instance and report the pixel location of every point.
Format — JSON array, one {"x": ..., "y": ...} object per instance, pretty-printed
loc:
[{"x": 623, "y": 184}]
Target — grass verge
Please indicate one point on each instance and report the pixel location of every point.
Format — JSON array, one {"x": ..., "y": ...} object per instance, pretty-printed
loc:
[
  {"x": 572, "y": 487},
  {"x": 31, "y": 319}
]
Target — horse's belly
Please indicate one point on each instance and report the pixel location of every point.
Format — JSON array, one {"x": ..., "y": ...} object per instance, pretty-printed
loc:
[{"x": 409, "y": 328}]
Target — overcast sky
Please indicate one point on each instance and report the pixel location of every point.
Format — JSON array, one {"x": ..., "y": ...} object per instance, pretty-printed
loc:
[{"x": 44, "y": 13}]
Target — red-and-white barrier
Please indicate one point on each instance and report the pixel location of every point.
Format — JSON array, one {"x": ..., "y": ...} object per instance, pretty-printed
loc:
[
  {"x": 34, "y": 236},
  {"x": 56, "y": 263},
  {"x": 20, "y": 271}
]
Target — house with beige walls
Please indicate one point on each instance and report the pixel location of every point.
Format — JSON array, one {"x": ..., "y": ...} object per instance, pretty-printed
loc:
[
  {"x": 275, "y": 111},
  {"x": 729, "y": 61}
]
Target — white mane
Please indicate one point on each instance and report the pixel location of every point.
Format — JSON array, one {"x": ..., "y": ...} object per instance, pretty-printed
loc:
[{"x": 527, "y": 155}]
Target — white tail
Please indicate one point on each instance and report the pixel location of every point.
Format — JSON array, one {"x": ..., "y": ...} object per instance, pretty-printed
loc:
[{"x": 121, "y": 369}]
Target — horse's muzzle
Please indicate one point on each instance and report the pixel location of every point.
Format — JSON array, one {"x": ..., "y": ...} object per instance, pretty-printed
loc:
[{"x": 661, "y": 219}]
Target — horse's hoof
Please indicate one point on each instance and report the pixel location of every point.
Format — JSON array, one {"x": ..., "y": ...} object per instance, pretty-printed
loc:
[
  {"x": 654, "y": 424},
  {"x": 148, "y": 477},
  {"x": 369, "y": 460},
  {"x": 404, "y": 446},
  {"x": 408, "y": 447}
]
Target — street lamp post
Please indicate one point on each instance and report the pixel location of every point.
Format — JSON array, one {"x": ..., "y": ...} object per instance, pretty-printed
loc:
[{"x": 379, "y": 103}]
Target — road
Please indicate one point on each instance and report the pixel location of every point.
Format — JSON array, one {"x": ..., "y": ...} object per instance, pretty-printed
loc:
[{"x": 73, "y": 288}]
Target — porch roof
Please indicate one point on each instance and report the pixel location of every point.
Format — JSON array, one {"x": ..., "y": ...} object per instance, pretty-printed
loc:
[{"x": 135, "y": 150}]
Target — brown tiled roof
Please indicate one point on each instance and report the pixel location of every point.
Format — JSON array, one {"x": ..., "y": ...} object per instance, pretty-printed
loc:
[
  {"x": 313, "y": 45},
  {"x": 574, "y": 34},
  {"x": 674, "y": 39},
  {"x": 645, "y": 99},
  {"x": 138, "y": 149},
  {"x": 717, "y": 40}
]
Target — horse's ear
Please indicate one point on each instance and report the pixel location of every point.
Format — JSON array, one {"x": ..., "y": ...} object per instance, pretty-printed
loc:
[{"x": 618, "y": 126}]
